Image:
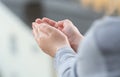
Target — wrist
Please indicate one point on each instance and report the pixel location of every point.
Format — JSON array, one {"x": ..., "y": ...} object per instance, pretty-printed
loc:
[
  {"x": 62, "y": 46},
  {"x": 76, "y": 41}
]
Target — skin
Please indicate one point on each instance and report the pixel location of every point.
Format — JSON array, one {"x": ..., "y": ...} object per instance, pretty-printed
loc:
[
  {"x": 49, "y": 38},
  {"x": 52, "y": 36},
  {"x": 68, "y": 28}
]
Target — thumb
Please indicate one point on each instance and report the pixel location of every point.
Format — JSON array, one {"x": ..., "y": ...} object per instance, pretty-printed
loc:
[
  {"x": 67, "y": 22},
  {"x": 60, "y": 25}
]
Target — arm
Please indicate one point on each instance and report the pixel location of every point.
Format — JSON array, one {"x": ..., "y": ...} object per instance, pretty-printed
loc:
[
  {"x": 64, "y": 62},
  {"x": 88, "y": 62}
]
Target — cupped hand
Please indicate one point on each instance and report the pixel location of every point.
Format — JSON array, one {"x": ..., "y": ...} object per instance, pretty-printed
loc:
[
  {"x": 68, "y": 28},
  {"x": 73, "y": 34},
  {"x": 49, "y": 38}
]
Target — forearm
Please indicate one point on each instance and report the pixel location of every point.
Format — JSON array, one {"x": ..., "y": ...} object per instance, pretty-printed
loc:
[
  {"x": 64, "y": 62},
  {"x": 76, "y": 41}
]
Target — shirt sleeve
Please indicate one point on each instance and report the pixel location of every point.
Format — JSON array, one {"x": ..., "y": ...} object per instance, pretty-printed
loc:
[
  {"x": 84, "y": 63},
  {"x": 64, "y": 62}
]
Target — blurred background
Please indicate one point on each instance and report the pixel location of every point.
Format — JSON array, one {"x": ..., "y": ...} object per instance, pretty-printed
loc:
[{"x": 19, "y": 54}]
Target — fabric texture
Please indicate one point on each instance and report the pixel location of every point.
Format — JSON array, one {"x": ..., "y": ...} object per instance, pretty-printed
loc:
[{"x": 98, "y": 54}]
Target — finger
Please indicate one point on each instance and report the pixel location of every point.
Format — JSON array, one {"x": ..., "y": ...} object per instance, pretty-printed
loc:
[
  {"x": 38, "y": 20},
  {"x": 49, "y": 21},
  {"x": 67, "y": 21},
  {"x": 37, "y": 29},
  {"x": 38, "y": 35},
  {"x": 35, "y": 26},
  {"x": 47, "y": 29},
  {"x": 60, "y": 25},
  {"x": 34, "y": 33}
]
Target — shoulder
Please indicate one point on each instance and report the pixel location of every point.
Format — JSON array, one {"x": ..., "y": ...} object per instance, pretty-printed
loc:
[{"x": 107, "y": 33}]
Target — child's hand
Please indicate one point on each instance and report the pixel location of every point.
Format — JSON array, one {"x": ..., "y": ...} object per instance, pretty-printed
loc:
[
  {"x": 49, "y": 38},
  {"x": 67, "y": 27},
  {"x": 73, "y": 34}
]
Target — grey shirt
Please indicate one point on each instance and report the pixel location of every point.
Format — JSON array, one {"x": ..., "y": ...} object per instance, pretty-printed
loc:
[{"x": 98, "y": 54}]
